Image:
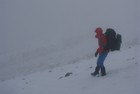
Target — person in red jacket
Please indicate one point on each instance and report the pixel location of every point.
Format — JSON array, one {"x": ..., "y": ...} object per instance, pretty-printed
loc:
[{"x": 102, "y": 51}]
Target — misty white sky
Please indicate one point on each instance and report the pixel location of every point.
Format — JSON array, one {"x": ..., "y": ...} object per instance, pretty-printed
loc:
[{"x": 34, "y": 23}]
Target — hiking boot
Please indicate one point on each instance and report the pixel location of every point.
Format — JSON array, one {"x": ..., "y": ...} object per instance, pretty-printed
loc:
[
  {"x": 103, "y": 71},
  {"x": 103, "y": 74},
  {"x": 96, "y": 71}
]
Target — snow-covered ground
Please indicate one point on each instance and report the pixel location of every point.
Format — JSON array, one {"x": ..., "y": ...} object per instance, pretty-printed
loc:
[
  {"x": 36, "y": 35},
  {"x": 122, "y": 77}
]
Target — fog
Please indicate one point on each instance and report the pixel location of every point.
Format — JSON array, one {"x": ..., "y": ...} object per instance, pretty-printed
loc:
[
  {"x": 35, "y": 23},
  {"x": 61, "y": 30}
]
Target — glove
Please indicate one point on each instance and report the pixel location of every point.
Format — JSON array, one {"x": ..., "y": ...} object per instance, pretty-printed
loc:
[{"x": 96, "y": 53}]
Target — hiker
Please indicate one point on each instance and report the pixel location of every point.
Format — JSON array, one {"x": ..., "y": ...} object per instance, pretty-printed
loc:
[{"x": 102, "y": 51}]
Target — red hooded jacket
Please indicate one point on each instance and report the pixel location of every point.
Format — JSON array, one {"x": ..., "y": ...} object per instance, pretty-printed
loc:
[{"x": 102, "y": 41}]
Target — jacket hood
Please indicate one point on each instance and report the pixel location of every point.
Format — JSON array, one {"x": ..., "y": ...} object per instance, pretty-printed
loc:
[{"x": 99, "y": 31}]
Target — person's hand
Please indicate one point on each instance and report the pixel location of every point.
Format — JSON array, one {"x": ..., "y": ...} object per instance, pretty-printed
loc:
[{"x": 96, "y": 53}]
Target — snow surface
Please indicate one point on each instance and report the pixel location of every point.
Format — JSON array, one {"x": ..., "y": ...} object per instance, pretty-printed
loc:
[
  {"x": 122, "y": 77},
  {"x": 42, "y": 40},
  {"x": 36, "y": 35}
]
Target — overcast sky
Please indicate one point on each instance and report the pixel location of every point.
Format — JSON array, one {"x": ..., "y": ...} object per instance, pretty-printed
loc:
[{"x": 39, "y": 22}]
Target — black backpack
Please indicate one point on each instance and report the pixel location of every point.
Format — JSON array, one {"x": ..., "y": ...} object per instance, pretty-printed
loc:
[{"x": 113, "y": 40}]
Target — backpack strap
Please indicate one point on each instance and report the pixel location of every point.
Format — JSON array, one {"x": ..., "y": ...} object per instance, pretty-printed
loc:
[{"x": 102, "y": 41}]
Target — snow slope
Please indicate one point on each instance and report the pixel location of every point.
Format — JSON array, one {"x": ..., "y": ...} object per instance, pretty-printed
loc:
[
  {"x": 122, "y": 77},
  {"x": 36, "y": 35}
]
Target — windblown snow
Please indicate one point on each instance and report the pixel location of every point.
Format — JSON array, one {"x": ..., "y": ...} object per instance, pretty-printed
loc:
[
  {"x": 122, "y": 77},
  {"x": 47, "y": 46}
]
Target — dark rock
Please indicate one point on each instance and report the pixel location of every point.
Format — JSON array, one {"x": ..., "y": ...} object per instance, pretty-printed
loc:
[{"x": 68, "y": 74}]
